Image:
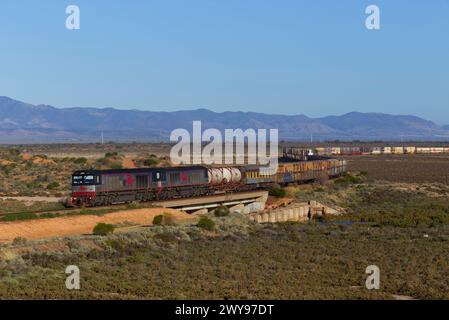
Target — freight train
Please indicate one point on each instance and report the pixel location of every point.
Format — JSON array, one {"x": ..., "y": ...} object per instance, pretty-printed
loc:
[
  {"x": 348, "y": 151},
  {"x": 104, "y": 187}
]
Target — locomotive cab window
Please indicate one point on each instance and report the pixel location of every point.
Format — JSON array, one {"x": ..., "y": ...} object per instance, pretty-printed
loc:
[
  {"x": 89, "y": 179},
  {"x": 76, "y": 180},
  {"x": 85, "y": 180}
]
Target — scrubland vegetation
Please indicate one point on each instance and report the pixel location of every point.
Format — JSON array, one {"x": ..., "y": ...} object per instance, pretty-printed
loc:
[
  {"x": 399, "y": 225},
  {"x": 403, "y": 231}
]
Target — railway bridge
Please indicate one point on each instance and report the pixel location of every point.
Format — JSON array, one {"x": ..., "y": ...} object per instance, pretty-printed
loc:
[{"x": 246, "y": 202}]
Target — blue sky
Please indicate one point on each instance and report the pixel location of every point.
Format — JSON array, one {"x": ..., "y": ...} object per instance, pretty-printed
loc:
[{"x": 312, "y": 57}]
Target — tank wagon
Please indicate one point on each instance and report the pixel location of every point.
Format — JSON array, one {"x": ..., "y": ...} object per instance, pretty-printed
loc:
[{"x": 103, "y": 187}]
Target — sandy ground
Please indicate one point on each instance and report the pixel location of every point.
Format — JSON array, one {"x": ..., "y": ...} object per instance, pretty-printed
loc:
[
  {"x": 77, "y": 225},
  {"x": 128, "y": 163}
]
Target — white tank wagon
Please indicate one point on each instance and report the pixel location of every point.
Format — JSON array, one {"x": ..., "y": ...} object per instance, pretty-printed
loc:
[{"x": 224, "y": 175}]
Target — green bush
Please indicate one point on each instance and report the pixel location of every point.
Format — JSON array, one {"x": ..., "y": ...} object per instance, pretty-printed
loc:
[
  {"x": 221, "y": 211},
  {"x": 157, "y": 220},
  {"x": 277, "y": 192},
  {"x": 103, "y": 229},
  {"x": 206, "y": 223},
  {"x": 150, "y": 162},
  {"x": 111, "y": 154},
  {"x": 162, "y": 220},
  {"x": 19, "y": 241}
]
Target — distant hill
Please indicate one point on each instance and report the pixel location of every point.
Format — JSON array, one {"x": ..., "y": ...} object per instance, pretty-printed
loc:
[{"x": 25, "y": 123}]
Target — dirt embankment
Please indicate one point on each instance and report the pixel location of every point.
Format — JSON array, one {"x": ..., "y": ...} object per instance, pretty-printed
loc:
[{"x": 77, "y": 225}]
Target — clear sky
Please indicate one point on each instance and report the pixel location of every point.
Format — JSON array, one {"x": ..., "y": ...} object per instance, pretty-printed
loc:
[{"x": 312, "y": 57}]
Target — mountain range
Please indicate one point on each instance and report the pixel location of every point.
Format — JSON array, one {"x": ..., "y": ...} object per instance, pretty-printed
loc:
[{"x": 21, "y": 122}]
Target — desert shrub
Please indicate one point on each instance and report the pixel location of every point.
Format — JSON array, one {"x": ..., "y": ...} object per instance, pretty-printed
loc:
[
  {"x": 206, "y": 223},
  {"x": 33, "y": 184},
  {"x": 53, "y": 185},
  {"x": 80, "y": 160},
  {"x": 19, "y": 241},
  {"x": 150, "y": 162},
  {"x": 162, "y": 219},
  {"x": 42, "y": 178},
  {"x": 221, "y": 211},
  {"x": 103, "y": 229},
  {"x": 101, "y": 161},
  {"x": 277, "y": 192},
  {"x": 111, "y": 154},
  {"x": 167, "y": 237},
  {"x": 6, "y": 168},
  {"x": 157, "y": 220},
  {"x": 348, "y": 179},
  {"x": 116, "y": 165}
]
